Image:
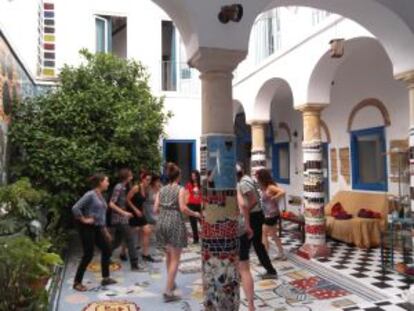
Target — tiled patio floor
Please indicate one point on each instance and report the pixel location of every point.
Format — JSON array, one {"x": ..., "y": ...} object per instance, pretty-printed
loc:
[{"x": 351, "y": 279}]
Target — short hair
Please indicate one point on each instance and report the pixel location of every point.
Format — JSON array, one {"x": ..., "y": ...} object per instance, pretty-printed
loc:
[
  {"x": 124, "y": 174},
  {"x": 173, "y": 172},
  {"x": 96, "y": 179}
]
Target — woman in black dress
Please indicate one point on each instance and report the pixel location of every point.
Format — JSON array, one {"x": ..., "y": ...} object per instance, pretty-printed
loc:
[{"x": 135, "y": 200}]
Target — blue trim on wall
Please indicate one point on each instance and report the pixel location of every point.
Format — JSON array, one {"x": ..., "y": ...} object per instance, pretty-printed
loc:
[
  {"x": 276, "y": 162},
  {"x": 356, "y": 183},
  {"x": 193, "y": 143},
  {"x": 325, "y": 151}
]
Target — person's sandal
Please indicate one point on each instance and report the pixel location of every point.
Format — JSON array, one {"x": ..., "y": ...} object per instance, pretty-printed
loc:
[
  {"x": 171, "y": 298},
  {"x": 80, "y": 287},
  {"x": 280, "y": 257}
]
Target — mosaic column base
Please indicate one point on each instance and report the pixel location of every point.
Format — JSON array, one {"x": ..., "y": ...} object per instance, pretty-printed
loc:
[
  {"x": 315, "y": 228},
  {"x": 219, "y": 233},
  {"x": 220, "y": 251},
  {"x": 258, "y": 161}
]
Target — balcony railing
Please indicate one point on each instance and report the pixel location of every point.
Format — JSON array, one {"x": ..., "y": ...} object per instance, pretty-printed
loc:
[{"x": 179, "y": 77}]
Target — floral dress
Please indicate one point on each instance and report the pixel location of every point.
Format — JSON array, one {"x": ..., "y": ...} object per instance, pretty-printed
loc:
[{"x": 171, "y": 228}]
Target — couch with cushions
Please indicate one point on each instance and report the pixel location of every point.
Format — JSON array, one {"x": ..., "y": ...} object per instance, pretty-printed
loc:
[{"x": 362, "y": 232}]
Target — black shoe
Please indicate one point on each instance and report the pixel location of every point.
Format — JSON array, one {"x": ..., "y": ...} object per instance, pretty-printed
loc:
[
  {"x": 148, "y": 258},
  {"x": 268, "y": 276},
  {"x": 123, "y": 257},
  {"x": 108, "y": 281},
  {"x": 196, "y": 242},
  {"x": 136, "y": 268},
  {"x": 171, "y": 298}
]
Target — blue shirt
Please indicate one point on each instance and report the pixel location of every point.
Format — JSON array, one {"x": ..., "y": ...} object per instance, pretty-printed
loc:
[{"x": 91, "y": 205}]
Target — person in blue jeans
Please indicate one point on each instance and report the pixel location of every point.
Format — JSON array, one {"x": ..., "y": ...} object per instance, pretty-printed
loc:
[{"x": 90, "y": 212}]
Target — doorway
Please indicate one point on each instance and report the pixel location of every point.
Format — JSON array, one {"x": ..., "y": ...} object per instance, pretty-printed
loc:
[{"x": 182, "y": 153}]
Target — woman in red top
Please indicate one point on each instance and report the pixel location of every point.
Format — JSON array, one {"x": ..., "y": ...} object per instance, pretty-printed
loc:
[{"x": 193, "y": 188}]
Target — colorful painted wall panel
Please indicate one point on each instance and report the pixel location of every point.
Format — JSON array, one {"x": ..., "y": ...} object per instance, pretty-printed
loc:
[
  {"x": 47, "y": 37},
  {"x": 15, "y": 84}
]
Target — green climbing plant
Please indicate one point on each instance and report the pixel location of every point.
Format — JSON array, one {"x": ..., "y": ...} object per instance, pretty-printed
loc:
[{"x": 102, "y": 116}]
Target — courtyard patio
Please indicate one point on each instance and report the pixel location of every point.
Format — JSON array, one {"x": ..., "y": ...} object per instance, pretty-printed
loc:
[{"x": 350, "y": 279}]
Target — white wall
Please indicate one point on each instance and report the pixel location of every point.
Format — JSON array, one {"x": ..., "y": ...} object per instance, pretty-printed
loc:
[
  {"x": 75, "y": 30},
  {"x": 186, "y": 120},
  {"x": 367, "y": 74},
  {"x": 283, "y": 111},
  {"x": 364, "y": 72},
  {"x": 19, "y": 22}
]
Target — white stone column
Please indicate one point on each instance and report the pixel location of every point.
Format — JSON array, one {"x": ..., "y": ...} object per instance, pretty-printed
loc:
[
  {"x": 313, "y": 192},
  {"x": 258, "y": 159},
  {"x": 221, "y": 280},
  {"x": 408, "y": 78}
]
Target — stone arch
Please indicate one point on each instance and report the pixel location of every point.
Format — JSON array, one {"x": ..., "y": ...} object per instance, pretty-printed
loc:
[
  {"x": 268, "y": 91},
  {"x": 371, "y": 15},
  {"x": 325, "y": 128},
  {"x": 369, "y": 102},
  {"x": 199, "y": 27},
  {"x": 323, "y": 74},
  {"x": 284, "y": 126}
]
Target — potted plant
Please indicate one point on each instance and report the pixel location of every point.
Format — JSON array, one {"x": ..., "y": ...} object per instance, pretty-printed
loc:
[
  {"x": 19, "y": 204},
  {"x": 25, "y": 267}
]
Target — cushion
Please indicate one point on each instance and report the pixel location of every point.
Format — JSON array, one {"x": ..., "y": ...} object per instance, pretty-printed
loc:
[
  {"x": 366, "y": 213},
  {"x": 337, "y": 208}
]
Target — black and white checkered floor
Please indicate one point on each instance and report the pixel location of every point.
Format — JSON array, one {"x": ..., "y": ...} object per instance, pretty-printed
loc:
[{"x": 365, "y": 266}]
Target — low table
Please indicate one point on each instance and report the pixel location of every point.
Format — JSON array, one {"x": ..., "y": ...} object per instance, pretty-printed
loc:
[{"x": 297, "y": 220}]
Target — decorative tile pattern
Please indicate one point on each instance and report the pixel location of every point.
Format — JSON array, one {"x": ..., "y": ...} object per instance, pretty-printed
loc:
[
  {"x": 313, "y": 195},
  {"x": 219, "y": 231},
  {"x": 46, "y": 47},
  {"x": 302, "y": 284},
  {"x": 112, "y": 306},
  {"x": 258, "y": 160}
]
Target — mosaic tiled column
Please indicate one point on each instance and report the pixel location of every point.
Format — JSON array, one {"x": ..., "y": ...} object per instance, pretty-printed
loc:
[
  {"x": 258, "y": 159},
  {"x": 221, "y": 281},
  {"x": 313, "y": 195},
  {"x": 408, "y": 78}
]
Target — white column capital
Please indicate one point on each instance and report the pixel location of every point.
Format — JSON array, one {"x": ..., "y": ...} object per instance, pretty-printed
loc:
[
  {"x": 258, "y": 123},
  {"x": 407, "y": 77},
  {"x": 207, "y": 59},
  {"x": 312, "y": 108}
]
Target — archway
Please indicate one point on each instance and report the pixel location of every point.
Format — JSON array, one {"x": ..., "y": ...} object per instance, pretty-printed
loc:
[
  {"x": 369, "y": 102},
  {"x": 322, "y": 78},
  {"x": 199, "y": 27},
  {"x": 275, "y": 89}
]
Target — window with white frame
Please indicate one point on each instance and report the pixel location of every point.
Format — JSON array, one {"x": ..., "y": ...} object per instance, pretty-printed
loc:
[
  {"x": 103, "y": 30},
  {"x": 111, "y": 35},
  {"x": 369, "y": 169}
]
